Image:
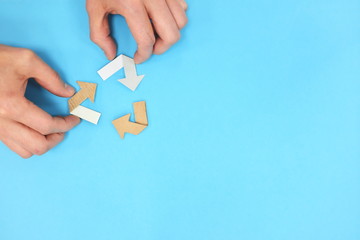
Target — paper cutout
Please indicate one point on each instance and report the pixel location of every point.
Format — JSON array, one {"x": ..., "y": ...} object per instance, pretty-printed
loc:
[
  {"x": 131, "y": 80},
  {"x": 112, "y": 67},
  {"x": 123, "y": 124},
  {"x": 140, "y": 113},
  {"x": 87, "y": 90},
  {"x": 86, "y": 114}
]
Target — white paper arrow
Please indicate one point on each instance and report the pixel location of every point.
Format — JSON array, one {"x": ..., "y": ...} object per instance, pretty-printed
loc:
[
  {"x": 86, "y": 114},
  {"x": 131, "y": 80},
  {"x": 112, "y": 67}
]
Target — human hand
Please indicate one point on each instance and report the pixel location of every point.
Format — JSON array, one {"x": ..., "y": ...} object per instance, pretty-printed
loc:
[
  {"x": 155, "y": 24},
  {"x": 25, "y": 128}
]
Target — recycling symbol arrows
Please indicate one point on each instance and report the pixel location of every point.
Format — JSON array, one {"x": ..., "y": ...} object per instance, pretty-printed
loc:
[{"x": 88, "y": 90}]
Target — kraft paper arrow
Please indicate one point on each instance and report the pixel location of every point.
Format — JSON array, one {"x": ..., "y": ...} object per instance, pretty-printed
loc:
[
  {"x": 123, "y": 124},
  {"x": 131, "y": 80},
  {"x": 140, "y": 113},
  {"x": 87, "y": 90}
]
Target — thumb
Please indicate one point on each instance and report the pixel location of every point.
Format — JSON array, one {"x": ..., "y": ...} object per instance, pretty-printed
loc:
[
  {"x": 99, "y": 28},
  {"x": 49, "y": 79}
]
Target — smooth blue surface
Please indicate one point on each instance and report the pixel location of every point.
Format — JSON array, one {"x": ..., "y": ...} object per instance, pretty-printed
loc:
[{"x": 254, "y": 128}]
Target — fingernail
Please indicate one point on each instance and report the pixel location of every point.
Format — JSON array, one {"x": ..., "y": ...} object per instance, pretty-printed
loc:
[
  {"x": 77, "y": 120},
  {"x": 109, "y": 56},
  {"x": 69, "y": 88}
]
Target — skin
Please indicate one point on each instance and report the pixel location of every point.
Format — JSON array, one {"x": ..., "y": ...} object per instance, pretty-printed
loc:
[
  {"x": 25, "y": 128},
  {"x": 155, "y": 24},
  {"x": 28, "y": 130}
]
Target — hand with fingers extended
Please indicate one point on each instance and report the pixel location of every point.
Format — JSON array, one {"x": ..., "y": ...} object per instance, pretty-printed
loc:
[
  {"x": 25, "y": 128},
  {"x": 155, "y": 24}
]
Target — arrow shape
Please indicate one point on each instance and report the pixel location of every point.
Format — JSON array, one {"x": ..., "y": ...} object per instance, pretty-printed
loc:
[
  {"x": 87, "y": 90},
  {"x": 123, "y": 124},
  {"x": 131, "y": 80},
  {"x": 86, "y": 114}
]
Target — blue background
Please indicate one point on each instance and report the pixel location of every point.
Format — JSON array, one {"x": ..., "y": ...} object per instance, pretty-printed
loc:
[{"x": 254, "y": 128}]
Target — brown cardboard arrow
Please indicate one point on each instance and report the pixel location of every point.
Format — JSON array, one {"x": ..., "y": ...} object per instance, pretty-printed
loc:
[
  {"x": 123, "y": 124},
  {"x": 140, "y": 113},
  {"x": 87, "y": 90}
]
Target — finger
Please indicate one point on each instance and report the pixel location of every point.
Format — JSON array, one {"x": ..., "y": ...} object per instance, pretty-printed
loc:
[
  {"x": 142, "y": 31},
  {"x": 54, "y": 139},
  {"x": 15, "y": 147},
  {"x": 183, "y": 4},
  {"x": 178, "y": 12},
  {"x": 100, "y": 29},
  {"x": 29, "y": 139},
  {"x": 165, "y": 26},
  {"x": 25, "y": 137},
  {"x": 34, "y": 117},
  {"x": 48, "y": 78}
]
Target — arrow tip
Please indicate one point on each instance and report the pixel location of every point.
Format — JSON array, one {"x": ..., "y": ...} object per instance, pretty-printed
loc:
[
  {"x": 90, "y": 87},
  {"x": 120, "y": 124},
  {"x": 132, "y": 82}
]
